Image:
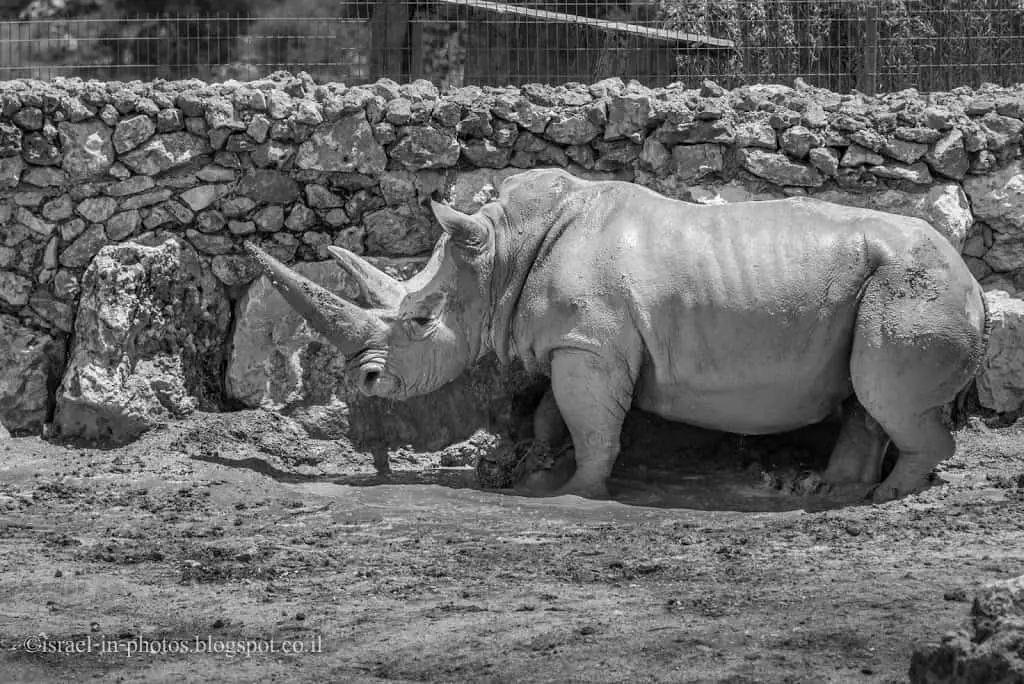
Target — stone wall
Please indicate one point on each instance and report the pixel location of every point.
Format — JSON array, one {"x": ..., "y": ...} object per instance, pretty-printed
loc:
[{"x": 107, "y": 188}]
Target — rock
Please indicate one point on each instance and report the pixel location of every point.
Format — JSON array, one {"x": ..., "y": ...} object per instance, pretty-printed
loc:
[
  {"x": 778, "y": 169},
  {"x": 1001, "y": 379},
  {"x": 397, "y": 187},
  {"x": 147, "y": 199},
  {"x": 130, "y": 133},
  {"x": 241, "y": 227},
  {"x": 424, "y": 147},
  {"x": 998, "y": 198},
  {"x": 122, "y": 225},
  {"x": 14, "y": 288},
  {"x": 34, "y": 223},
  {"x": 29, "y": 118},
  {"x": 88, "y": 150},
  {"x": 343, "y": 145},
  {"x": 825, "y": 160},
  {"x": 903, "y": 150},
  {"x": 1001, "y": 131},
  {"x": 718, "y": 131},
  {"x": 203, "y": 196},
  {"x": 10, "y": 171},
  {"x": 1007, "y": 252},
  {"x": 59, "y": 208},
  {"x": 572, "y": 129},
  {"x": 798, "y": 141},
  {"x": 628, "y": 116},
  {"x": 149, "y": 342},
  {"x": 59, "y": 315},
  {"x": 755, "y": 134},
  {"x": 399, "y": 231},
  {"x": 485, "y": 154},
  {"x": 215, "y": 174},
  {"x": 97, "y": 209},
  {"x": 131, "y": 186},
  {"x": 270, "y": 219},
  {"x": 655, "y": 156},
  {"x": 10, "y": 140},
  {"x": 319, "y": 197},
  {"x": 31, "y": 364},
  {"x": 300, "y": 218},
  {"x": 693, "y": 162},
  {"x": 84, "y": 248},
  {"x": 220, "y": 113},
  {"x": 234, "y": 269},
  {"x": 39, "y": 150},
  {"x": 210, "y": 244},
  {"x": 272, "y": 187},
  {"x": 856, "y": 155},
  {"x": 948, "y": 156},
  {"x": 165, "y": 152},
  {"x": 987, "y": 649},
  {"x": 915, "y": 173}
]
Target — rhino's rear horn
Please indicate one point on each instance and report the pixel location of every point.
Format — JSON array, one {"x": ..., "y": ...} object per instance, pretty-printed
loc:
[
  {"x": 465, "y": 231},
  {"x": 346, "y": 325},
  {"x": 376, "y": 288}
]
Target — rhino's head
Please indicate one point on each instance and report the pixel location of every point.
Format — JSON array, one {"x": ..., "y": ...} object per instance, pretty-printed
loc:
[{"x": 402, "y": 339}]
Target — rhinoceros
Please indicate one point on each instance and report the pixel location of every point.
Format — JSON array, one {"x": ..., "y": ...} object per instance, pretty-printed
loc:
[{"x": 752, "y": 318}]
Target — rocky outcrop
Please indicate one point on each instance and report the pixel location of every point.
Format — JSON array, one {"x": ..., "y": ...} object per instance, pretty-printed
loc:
[
  {"x": 989, "y": 648},
  {"x": 148, "y": 344},
  {"x": 1001, "y": 380},
  {"x": 32, "y": 363}
]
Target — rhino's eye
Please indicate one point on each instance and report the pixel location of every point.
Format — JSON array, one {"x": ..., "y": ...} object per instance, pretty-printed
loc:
[{"x": 421, "y": 320}]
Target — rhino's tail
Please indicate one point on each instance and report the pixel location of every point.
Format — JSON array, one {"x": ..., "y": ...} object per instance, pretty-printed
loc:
[{"x": 960, "y": 409}]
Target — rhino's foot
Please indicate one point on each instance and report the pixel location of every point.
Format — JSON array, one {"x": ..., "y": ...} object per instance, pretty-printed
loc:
[
  {"x": 887, "y": 491},
  {"x": 543, "y": 470}
]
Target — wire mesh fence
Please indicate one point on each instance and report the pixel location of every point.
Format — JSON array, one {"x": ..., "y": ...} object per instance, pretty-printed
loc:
[{"x": 839, "y": 44}]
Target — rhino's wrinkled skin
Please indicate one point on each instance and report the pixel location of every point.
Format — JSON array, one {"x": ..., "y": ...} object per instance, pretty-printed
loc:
[{"x": 752, "y": 318}]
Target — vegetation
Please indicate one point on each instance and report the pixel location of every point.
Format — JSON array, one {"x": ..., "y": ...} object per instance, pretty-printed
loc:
[{"x": 930, "y": 44}]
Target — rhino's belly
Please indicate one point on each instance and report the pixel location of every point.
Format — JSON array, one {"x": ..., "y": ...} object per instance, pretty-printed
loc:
[{"x": 763, "y": 409}]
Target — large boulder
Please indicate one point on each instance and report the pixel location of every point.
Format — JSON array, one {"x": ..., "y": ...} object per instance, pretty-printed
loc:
[
  {"x": 998, "y": 197},
  {"x": 1001, "y": 380},
  {"x": 944, "y": 206},
  {"x": 989, "y": 648},
  {"x": 31, "y": 362},
  {"x": 148, "y": 342},
  {"x": 278, "y": 363}
]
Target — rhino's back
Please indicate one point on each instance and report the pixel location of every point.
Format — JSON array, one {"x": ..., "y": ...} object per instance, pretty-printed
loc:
[{"x": 745, "y": 311}]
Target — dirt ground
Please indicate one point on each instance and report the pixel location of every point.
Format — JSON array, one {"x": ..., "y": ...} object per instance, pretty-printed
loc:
[{"x": 180, "y": 557}]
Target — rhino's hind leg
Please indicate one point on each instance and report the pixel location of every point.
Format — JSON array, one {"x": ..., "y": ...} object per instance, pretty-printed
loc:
[
  {"x": 924, "y": 441},
  {"x": 859, "y": 451},
  {"x": 915, "y": 346},
  {"x": 593, "y": 395}
]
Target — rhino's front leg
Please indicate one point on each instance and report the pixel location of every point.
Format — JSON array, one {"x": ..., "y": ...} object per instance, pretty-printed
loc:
[{"x": 593, "y": 394}]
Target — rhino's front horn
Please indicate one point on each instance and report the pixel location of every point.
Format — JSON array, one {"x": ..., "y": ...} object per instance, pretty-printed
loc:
[
  {"x": 346, "y": 325},
  {"x": 376, "y": 288}
]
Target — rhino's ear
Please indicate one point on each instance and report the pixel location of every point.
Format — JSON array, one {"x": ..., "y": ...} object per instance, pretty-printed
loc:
[{"x": 464, "y": 230}]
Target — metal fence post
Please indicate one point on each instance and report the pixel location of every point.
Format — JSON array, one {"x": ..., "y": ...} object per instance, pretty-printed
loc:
[{"x": 867, "y": 80}]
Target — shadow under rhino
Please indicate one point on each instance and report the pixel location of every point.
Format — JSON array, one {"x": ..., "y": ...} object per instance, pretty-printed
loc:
[{"x": 663, "y": 464}]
